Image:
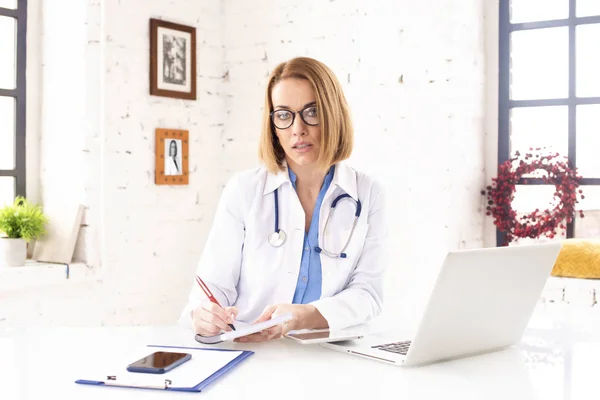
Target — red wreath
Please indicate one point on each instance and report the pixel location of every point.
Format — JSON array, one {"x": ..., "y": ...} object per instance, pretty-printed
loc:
[{"x": 500, "y": 196}]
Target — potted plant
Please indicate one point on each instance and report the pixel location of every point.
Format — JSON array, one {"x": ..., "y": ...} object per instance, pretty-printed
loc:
[{"x": 20, "y": 223}]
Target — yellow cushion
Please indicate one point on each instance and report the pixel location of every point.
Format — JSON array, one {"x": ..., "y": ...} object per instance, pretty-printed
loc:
[{"x": 578, "y": 258}]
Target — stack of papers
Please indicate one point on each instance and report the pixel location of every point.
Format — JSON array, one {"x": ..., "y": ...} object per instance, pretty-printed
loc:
[{"x": 242, "y": 329}]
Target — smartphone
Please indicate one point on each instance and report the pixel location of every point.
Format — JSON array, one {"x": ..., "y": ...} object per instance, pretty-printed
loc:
[
  {"x": 322, "y": 336},
  {"x": 159, "y": 362}
]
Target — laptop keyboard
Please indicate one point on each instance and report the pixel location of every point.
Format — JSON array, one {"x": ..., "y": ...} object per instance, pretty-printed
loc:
[{"x": 396, "y": 347}]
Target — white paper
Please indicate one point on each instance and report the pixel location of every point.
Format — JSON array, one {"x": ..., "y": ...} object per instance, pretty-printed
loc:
[
  {"x": 58, "y": 244},
  {"x": 245, "y": 330},
  {"x": 203, "y": 364}
]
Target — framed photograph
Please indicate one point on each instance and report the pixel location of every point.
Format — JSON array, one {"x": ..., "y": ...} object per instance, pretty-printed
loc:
[
  {"x": 172, "y": 157},
  {"x": 172, "y": 60}
]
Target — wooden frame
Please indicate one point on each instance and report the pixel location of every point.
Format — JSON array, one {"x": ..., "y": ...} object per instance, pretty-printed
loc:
[
  {"x": 172, "y": 60},
  {"x": 169, "y": 169}
]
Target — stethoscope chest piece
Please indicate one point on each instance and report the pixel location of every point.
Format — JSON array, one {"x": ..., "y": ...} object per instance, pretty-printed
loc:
[{"x": 277, "y": 238}]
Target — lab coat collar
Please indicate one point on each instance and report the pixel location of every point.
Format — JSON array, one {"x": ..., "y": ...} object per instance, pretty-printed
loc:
[
  {"x": 275, "y": 180},
  {"x": 343, "y": 177}
]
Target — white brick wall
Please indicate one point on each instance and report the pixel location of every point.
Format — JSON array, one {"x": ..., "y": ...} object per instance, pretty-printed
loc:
[
  {"x": 154, "y": 234},
  {"x": 414, "y": 76}
]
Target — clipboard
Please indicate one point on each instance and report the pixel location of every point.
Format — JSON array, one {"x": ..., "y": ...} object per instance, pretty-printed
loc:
[
  {"x": 244, "y": 330},
  {"x": 168, "y": 380}
]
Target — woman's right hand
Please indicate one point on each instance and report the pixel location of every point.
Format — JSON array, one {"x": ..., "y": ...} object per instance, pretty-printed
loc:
[{"x": 210, "y": 319}]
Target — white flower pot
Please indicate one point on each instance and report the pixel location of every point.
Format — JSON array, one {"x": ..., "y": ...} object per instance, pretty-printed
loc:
[{"x": 13, "y": 252}]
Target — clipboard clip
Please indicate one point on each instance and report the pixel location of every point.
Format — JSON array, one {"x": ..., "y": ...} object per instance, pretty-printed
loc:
[{"x": 111, "y": 380}]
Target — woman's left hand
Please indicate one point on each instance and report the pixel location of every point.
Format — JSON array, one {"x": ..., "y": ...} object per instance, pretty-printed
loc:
[{"x": 302, "y": 315}]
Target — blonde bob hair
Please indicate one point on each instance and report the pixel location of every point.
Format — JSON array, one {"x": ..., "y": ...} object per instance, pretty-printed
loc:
[{"x": 337, "y": 132}]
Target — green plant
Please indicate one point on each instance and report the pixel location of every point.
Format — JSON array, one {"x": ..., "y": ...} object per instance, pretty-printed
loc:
[{"x": 22, "y": 220}]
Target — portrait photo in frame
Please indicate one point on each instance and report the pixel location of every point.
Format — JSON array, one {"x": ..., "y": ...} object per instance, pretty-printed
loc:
[
  {"x": 172, "y": 60},
  {"x": 172, "y": 157}
]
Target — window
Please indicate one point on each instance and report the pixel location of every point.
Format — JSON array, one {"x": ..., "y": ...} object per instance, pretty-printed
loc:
[
  {"x": 549, "y": 96},
  {"x": 13, "y": 28}
]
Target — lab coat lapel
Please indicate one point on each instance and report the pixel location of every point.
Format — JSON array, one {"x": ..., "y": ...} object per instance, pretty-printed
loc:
[{"x": 291, "y": 220}]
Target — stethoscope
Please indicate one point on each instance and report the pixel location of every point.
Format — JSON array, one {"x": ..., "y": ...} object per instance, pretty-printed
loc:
[{"x": 277, "y": 238}]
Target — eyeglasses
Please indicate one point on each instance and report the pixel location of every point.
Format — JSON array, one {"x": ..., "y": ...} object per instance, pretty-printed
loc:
[{"x": 283, "y": 119}]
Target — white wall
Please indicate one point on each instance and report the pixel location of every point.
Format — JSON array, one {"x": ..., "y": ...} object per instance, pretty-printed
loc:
[
  {"x": 154, "y": 234},
  {"x": 34, "y": 102},
  {"x": 414, "y": 77},
  {"x": 97, "y": 148},
  {"x": 491, "y": 23},
  {"x": 63, "y": 149},
  {"x": 70, "y": 111}
]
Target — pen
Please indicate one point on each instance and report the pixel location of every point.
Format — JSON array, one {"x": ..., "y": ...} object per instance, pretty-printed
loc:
[{"x": 209, "y": 294}]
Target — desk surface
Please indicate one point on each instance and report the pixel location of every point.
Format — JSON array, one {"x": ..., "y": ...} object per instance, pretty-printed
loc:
[{"x": 555, "y": 360}]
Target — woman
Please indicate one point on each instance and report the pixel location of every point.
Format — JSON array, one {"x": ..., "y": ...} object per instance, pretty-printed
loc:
[
  {"x": 173, "y": 166},
  {"x": 269, "y": 252}
]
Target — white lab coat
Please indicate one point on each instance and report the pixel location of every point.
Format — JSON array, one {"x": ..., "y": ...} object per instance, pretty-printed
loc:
[
  {"x": 242, "y": 269},
  {"x": 171, "y": 167}
]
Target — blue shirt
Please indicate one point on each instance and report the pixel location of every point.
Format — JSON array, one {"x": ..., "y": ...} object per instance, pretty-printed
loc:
[{"x": 308, "y": 288}]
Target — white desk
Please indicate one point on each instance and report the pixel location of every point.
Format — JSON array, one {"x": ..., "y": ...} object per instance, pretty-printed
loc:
[{"x": 554, "y": 361}]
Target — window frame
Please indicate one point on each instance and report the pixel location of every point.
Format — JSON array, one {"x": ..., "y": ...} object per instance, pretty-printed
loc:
[
  {"x": 505, "y": 104},
  {"x": 19, "y": 94}
]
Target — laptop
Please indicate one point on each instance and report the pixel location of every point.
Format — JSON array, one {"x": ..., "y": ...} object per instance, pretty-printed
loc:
[{"x": 481, "y": 302}]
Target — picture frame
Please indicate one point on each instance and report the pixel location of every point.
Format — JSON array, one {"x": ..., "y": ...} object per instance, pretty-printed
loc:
[
  {"x": 172, "y": 60},
  {"x": 172, "y": 157}
]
